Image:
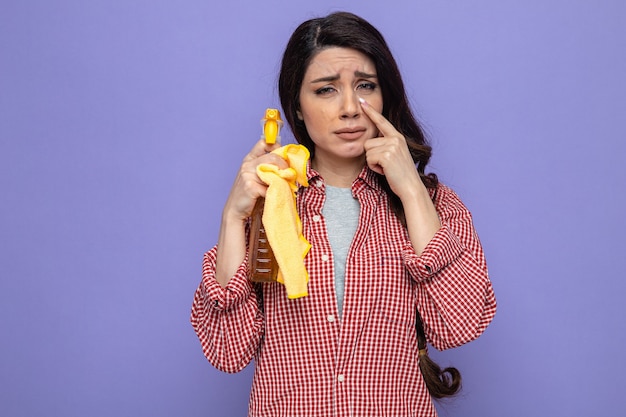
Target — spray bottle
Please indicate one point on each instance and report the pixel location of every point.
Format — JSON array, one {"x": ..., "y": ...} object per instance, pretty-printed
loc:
[{"x": 263, "y": 265}]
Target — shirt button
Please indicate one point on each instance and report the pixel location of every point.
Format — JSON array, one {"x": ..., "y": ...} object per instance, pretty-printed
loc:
[
  {"x": 316, "y": 218},
  {"x": 325, "y": 258},
  {"x": 330, "y": 318},
  {"x": 340, "y": 378}
]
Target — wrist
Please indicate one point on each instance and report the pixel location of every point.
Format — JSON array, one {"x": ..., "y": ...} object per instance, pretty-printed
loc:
[{"x": 233, "y": 218}]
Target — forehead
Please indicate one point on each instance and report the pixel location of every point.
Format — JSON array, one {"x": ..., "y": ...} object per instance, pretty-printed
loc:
[{"x": 334, "y": 60}]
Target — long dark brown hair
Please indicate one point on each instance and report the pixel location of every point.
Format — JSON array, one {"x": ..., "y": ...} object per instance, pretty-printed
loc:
[{"x": 347, "y": 30}]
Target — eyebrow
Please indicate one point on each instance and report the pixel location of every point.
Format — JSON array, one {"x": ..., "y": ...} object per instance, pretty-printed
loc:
[{"x": 358, "y": 74}]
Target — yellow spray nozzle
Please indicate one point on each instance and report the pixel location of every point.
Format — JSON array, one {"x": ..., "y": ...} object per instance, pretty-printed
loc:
[{"x": 271, "y": 125}]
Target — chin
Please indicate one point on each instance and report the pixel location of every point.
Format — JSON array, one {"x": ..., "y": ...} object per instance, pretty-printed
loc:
[{"x": 350, "y": 155}]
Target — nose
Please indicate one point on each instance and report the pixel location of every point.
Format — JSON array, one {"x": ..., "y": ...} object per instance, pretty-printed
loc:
[{"x": 350, "y": 106}]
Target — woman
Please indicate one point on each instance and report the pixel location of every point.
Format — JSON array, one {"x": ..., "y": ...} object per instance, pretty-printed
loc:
[{"x": 390, "y": 244}]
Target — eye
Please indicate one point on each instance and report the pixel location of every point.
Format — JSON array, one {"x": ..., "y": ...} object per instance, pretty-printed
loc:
[
  {"x": 324, "y": 91},
  {"x": 367, "y": 85}
]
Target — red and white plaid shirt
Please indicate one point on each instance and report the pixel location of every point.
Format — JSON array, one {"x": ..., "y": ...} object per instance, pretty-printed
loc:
[{"x": 310, "y": 362}]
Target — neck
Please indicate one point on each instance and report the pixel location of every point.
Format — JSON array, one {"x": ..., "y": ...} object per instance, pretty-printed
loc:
[{"x": 340, "y": 174}]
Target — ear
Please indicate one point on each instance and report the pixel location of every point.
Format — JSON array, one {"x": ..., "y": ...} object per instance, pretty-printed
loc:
[{"x": 299, "y": 114}]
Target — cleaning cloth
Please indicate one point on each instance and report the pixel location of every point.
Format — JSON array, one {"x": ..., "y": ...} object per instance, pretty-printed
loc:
[{"x": 282, "y": 224}]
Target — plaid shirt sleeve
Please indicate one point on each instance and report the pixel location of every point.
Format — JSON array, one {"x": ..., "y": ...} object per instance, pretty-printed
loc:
[
  {"x": 454, "y": 294},
  {"x": 228, "y": 321}
]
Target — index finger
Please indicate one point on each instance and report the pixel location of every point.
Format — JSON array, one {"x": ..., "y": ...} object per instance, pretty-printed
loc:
[{"x": 384, "y": 126}]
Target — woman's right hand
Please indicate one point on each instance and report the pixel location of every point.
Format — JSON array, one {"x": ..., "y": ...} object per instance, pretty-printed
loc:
[
  {"x": 248, "y": 187},
  {"x": 246, "y": 190}
]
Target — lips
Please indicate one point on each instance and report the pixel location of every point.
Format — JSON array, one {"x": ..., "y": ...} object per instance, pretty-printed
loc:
[{"x": 350, "y": 133}]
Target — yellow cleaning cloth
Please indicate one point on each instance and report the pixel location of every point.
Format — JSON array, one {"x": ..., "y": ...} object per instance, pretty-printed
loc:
[{"x": 280, "y": 217}]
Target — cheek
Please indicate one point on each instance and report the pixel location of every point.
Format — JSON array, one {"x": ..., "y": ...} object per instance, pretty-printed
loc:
[
  {"x": 377, "y": 103},
  {"x": 316, "y": 119}
]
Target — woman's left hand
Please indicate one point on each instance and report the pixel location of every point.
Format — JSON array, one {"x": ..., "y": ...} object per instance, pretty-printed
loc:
[{"x": 389, "y": 155}]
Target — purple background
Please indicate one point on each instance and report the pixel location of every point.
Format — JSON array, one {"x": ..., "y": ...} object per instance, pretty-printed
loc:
[{"x": 122, "y": 123}]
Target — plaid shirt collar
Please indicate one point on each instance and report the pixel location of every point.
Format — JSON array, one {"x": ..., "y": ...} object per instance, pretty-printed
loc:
[{"x": 367, "y": 179}]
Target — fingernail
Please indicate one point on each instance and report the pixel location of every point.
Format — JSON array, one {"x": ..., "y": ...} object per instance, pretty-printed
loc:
[{"x": 362, "y": 101}]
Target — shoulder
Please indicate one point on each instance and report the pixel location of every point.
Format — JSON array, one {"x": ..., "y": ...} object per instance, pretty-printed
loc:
[
  {"x": 447, "y": 201},
  {"x": 442, "y": 192}
]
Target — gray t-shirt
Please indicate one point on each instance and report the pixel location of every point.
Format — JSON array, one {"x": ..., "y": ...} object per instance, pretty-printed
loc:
[{"x": 341, "y": 212}]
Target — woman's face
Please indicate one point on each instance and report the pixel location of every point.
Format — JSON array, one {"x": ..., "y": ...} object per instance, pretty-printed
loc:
[{"x": 329, "y": 103}]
